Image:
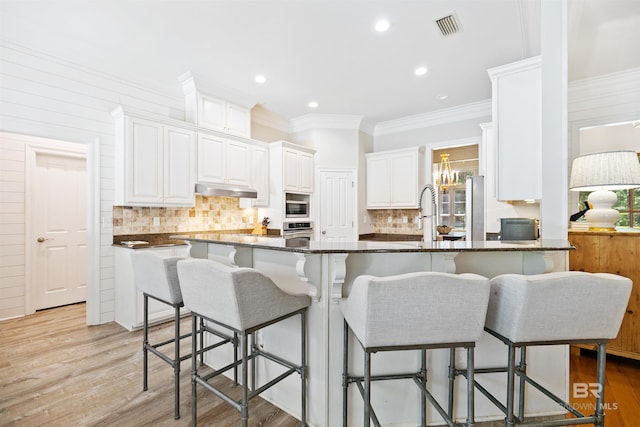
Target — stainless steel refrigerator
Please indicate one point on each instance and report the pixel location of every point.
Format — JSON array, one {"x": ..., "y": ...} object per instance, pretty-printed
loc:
[{"x": 475, "y": 209}]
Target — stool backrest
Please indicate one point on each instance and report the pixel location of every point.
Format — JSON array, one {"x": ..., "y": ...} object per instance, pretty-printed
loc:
[
  {"x": 157, "y": 276},
  {"x": 237, "y": 297},
  {"x": 568, "y": 305},
  {"x": 417, "y": 308}
]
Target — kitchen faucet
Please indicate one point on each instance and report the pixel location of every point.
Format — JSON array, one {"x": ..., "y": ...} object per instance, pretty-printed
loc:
[{"x": 434, "y": 213}]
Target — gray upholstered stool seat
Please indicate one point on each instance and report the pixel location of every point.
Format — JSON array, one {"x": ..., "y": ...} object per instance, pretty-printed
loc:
[
  {"x": 157, "y": 278},
  {"x": 414, "y": 311},
  {"x": 244, "y": 301},
  {"x": 554, "y": 308}
]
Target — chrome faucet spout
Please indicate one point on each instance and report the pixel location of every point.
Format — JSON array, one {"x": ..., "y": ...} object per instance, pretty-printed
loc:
[{"x": 434, "y": 213}]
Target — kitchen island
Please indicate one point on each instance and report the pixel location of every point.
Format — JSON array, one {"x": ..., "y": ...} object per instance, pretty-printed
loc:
[{"x": 326, "y": 270}]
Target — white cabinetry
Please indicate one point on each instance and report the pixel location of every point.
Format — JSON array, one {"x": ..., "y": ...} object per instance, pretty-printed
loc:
[
  {"x": 292, "y": 166},
  {"x": 260, "y": 175},
  {"x": 223, "y": 161},
  {"x": 154, "y": 163},
  {"x": 298, "y": 171},
  {"x": 517, "y": 111},
  {"x": 394, "y": 178},
  {"x": 128, "y": 300},
  {"x": 218, "y": 114}
]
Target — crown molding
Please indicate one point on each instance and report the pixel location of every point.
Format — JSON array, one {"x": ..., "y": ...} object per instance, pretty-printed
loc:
[
  {"x": 449, "y": 115},
  {"x": 619, "y": 82},
  {"x": 325, "y": 121}
]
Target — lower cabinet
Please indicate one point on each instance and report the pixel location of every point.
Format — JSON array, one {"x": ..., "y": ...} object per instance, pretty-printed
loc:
[
  {"x": 616, "y": 253},
  {"x": 129, "y": 302}
]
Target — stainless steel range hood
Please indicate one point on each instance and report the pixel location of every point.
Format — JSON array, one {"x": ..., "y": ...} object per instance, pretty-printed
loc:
[{"x": 207, "y": 189}]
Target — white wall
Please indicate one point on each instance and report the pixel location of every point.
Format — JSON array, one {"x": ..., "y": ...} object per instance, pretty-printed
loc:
[
  {"x": 430, "y": 134},
  {"x": 615, "y": 137},
  {"x": 613, "y": 98},
  {"x": 47, "y": 97}
]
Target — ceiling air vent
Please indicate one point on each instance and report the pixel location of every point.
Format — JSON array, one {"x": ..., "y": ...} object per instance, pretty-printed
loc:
[{"x": 448, "y": 25}]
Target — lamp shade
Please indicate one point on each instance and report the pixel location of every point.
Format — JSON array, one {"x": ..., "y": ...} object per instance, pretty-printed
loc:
[{"x": 612, "y": 170}]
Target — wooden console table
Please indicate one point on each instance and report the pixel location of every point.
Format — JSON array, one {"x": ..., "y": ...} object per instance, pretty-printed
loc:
[{"x": 617, "y": 253}]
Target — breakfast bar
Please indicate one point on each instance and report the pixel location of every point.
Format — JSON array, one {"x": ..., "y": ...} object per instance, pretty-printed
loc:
[{"x": 326, "y": 270}]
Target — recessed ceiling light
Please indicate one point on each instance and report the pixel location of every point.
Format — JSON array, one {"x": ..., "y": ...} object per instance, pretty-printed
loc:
[
  {"x": 443, "y": 97},
  {"x": 382, "y": 25},
  {"x": 260, "y": 78},
  {"x": 420, "y": 71},
  {"x": 313, "y": 104}
]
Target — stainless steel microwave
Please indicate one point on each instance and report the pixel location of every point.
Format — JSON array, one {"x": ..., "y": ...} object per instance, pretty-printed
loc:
[
  {"x": 518, "y": 229},
  {"x": 297, "y": 205}
]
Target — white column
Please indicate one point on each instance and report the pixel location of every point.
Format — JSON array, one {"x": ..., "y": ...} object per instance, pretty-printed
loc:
[{"x": 554, "y": 204}]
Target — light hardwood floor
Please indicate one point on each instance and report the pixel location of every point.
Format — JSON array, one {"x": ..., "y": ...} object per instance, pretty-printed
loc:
[{"x": 56, "y": 371}]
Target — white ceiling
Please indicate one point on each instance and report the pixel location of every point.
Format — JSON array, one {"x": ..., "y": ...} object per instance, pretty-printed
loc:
[{"x": 322, "y": 50}]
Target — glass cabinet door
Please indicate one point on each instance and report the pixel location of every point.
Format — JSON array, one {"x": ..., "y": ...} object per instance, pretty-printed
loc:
[{"x": 452, "y": 207}]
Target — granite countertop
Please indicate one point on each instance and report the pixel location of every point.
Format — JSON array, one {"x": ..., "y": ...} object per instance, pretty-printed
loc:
[
  {"x": 159, "y": 240},
  {"x": 280, "y": 244}
]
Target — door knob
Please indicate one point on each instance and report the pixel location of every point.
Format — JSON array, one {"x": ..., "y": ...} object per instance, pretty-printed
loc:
[
  {"x": 42, "y": 239},
  {"x": 324, "y": 232}
]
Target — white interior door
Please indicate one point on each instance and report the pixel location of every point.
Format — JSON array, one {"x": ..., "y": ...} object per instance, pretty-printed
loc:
[
  {"x": 59, "y": 269},
  {"x": 336, "y": 206}
]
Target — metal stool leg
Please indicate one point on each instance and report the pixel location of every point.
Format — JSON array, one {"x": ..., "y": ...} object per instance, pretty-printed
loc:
[
  {"x": 522, "y": 367},
  {"x": 145, "y": 343},
  {"x": 194, "y": 371},
  {"x": 176, "y": 364},
  {"x": 367, "y": 389},
  {"x": 511, "y": 370},
  {"x": 423, "y": 398},
  {"x": 600, "y": 377},
  {"x": 452, "y": 379},
  {"x": 244, "y": 405},
  {"x": 470, "y": 387}
]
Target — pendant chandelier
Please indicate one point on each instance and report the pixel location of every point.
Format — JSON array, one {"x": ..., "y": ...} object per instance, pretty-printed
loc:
[{"x": 445, "y": 177}]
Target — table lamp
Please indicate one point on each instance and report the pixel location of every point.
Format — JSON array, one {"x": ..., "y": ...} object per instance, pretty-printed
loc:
[{"x": 601, "y": 173}]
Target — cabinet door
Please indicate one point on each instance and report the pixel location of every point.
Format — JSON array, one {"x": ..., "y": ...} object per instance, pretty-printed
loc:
[
  {"x": 238, "y": 120},
  {"x": 378, "y": 184},
  {"x": 518, "y": 135},
  {"x": 260, "y": 175},
  {"x": 404, "y": 182},
  {"x": 179, "y": 166},
  {"x": 211, "y": 160},
  {"x": 144, "y": 162},
  {"x": 306, "y": 172},
  {"x": 238, "y": 160},
  {"x": 211, "y": 112},
  {"x": 291, "y": 170}
]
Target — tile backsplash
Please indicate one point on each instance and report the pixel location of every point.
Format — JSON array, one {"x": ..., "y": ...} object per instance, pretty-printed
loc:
[
  {"x": 208, "y": 214},
  {"x": 380, "y": 221}
]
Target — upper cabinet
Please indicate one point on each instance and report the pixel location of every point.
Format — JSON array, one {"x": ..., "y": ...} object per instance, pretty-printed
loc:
[
  {"x": 394, "y": 178},
  {"x": 292, "y": 167},
  {"x": 517, "y": 111},
  {"x": 260, "y": 175},
  {"x": 223, "y": 161},
  {"x": 154, "y": 163},
  {"x": 218, "y": 114}
]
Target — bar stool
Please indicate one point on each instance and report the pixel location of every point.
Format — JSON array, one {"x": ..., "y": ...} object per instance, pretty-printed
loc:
[
  {"x": 244, "y": 301},
  {"x": 414, "y": 311},
  {"x": 549, "y": 309},
  {"x": 157, "y": 278}
]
